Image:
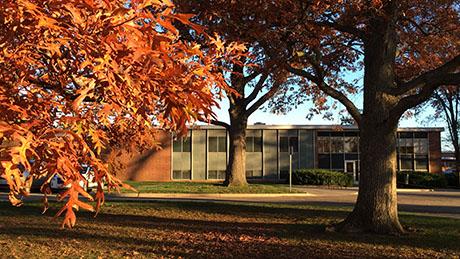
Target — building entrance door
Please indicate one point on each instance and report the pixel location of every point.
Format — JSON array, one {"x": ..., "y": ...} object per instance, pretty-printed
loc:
[{"x": 352, "y": 168}]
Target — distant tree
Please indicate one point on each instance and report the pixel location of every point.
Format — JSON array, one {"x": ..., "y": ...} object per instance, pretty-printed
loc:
[
  {"x": 252, "y": 80},
  {"x": 407, "y": 50},
  {"x": 446, "y": 102},
  {"x": 77, "y": 76}
]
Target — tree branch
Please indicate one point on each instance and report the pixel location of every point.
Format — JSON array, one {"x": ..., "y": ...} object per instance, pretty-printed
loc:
[
  {"x": 257, "y": 88},
  {"x": 220, "y": 123},
  {"x": 444, "y": 75},
  {"x": 262, "y": 99},
  {"x": 323, "y": 86}
]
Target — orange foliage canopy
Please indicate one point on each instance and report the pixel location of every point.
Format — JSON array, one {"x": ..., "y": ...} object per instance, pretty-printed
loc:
[{"x": 76, "y": 76}]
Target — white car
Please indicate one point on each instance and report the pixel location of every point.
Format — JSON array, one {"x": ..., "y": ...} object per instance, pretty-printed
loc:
[{"x": 58, "y": 184}]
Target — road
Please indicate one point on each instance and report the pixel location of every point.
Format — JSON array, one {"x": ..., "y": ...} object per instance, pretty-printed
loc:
[{"x": 444, "y": 203}]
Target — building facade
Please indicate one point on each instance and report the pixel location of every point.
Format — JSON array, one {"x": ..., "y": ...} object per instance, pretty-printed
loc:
[{"x": 202, "y": 155}]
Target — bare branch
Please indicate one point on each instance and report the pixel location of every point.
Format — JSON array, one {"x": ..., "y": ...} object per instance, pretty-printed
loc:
[
  {"x": 220, "y": 123},
  {"x": 257, "y": 88}
]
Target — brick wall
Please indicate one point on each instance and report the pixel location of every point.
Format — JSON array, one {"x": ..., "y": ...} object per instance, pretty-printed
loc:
[
  {"x": 434, "y": 139},
  {"x": 150, "y": 165}
]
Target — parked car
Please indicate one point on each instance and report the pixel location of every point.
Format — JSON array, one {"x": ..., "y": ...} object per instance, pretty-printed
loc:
[{"x": 58, "y": 184}]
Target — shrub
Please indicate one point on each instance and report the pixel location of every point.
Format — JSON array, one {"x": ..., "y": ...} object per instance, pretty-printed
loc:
[
  {"x": 452, "y": 179},
  {"x": 422, "y": 179},
  {"x": 321, "y": 177}
]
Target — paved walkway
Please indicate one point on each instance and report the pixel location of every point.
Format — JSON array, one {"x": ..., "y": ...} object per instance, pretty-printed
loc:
[{"x": 445, "y": 203}]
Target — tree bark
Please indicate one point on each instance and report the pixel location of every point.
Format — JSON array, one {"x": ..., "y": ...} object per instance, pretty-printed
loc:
[
  {"x": 376, "y": 207},
  {"x": 236, "y": 167}
]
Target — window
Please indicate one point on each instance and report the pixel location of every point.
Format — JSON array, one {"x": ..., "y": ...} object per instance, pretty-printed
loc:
[
  {"x": 351, "y": 144},
  {"x": 253, "y": 173},
  {"x": 406, "y": 146},
  {"x": 336, "y": 145},
  {"x": 406, "y": 163},
  {"x": 182, "y": 175},
  {"x": 421, "y": 146},
  {"x": 254, "y": 144},
  {"x": 324, "y": 161},
  {"x": 181, "y": 144},
  {"x": 324, "y": 145},
  {"x": 421, "y": 163},
  {"x": 287, "y": 142},
  {"x": 337, "y": 161},
  {"x": 216, "y": 174},
  {"x": 217, "y": 144}
]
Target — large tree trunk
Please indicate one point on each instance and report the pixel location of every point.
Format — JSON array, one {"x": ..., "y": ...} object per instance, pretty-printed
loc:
[
  {"x": 376, "y": 207},
  {"x": 236, "y": 167}
]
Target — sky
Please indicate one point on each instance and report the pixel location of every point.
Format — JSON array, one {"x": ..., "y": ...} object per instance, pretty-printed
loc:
[{"x": 299, "y": 116}]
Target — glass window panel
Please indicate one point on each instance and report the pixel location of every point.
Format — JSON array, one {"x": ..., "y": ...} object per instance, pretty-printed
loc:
[
  {"x": 177, "y": 145},
  {"x": 212, "y": 174},
  {"x": 220, "y": 174},
  {"x": 323, "y": 134},
  {"x": 337, "y": 134},
  {"x": 324, "y": 161},
  {"x": 250, "y": 144},
  {"x": 212, "y": 144},
  {"x": 222, "y": 144},
  {"x": 337, "y": 161},
  {"x": 294, "y": 143},
  {"x": 257, "y": 144},
  {"x": 421, "y": 146},
  {"x": 351, "y": 144},
  {"x": 284, "y": 144},
  {"x": 406, "y": 163},
  {"x": 324, "y": 145},
  {"x": 421, "y": 164},
  {"x": 409, "y": 146},
  {"x": 420, "y": 135},
  {"x": 186, "y": 144},
  {"x": 406, "y": 135},
  {"x": 177, "y": 174},
  {"x": 336, "y": 145}
]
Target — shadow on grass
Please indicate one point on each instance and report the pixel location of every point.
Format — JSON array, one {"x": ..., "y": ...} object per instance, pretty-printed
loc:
[{"x": 301, "y": 223}]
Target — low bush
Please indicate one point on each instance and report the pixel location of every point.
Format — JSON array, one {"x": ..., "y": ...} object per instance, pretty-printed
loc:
[
  {"x": 321, "y": 177},
  {"x": 452, "y": 179},
  {"x": 422, "y": 179}
]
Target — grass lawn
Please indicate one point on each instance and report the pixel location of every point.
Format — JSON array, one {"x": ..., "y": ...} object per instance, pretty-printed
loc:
[
  {"x": 193, "y": 187},
  {"x": 198, "y": 229}
]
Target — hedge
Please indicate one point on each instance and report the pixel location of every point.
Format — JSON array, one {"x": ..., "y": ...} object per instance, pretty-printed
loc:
[
  {"x": 321, "y": 177},
  {"x": 422, "y": 179}
]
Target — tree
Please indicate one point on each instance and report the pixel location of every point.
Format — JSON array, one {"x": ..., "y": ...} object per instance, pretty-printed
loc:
[
  {"x": 407, "y": 50},
  {"x": 446, "y": 102},
  {"x": 77, "y": 76},
  {"x": 253, "y": 79}
]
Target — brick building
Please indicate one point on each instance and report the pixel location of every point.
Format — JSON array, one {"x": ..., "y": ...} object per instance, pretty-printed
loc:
[{"x": 202, "y": 155}]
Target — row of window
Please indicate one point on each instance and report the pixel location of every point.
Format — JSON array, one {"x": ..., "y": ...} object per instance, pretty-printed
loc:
[
  {"x": 219, "y": 144},
  {"x": 328, "y": 145},
  {"x": 213, "y": 174}
]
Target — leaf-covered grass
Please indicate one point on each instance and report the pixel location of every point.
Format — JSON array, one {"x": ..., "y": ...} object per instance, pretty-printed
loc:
[
  {"x": 220, "y": 229},
  {"x": 194, "y": 187}
]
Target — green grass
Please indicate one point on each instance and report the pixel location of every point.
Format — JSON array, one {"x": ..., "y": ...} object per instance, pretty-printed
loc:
[
  {"x": 193, "y": 187},
  {"x": 215, "y": 229}
]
